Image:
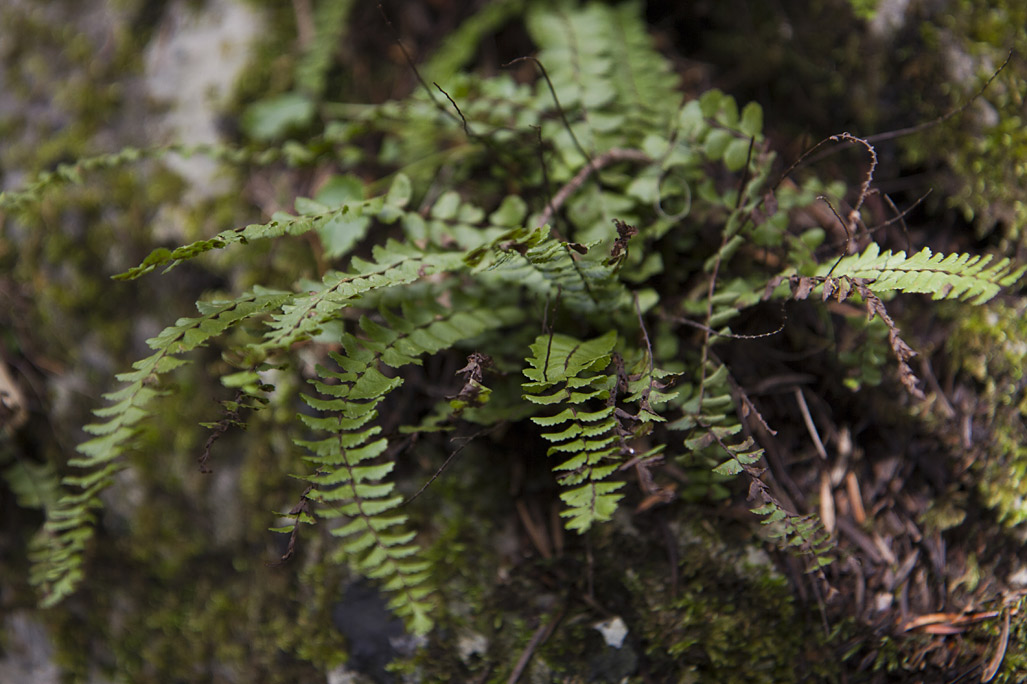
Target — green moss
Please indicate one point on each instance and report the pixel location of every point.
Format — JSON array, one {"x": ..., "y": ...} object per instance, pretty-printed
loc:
[
  {"x": 986, "y": 153},
  {"x": 990, "y": 345},
  {"x": 706, "y": 632}
]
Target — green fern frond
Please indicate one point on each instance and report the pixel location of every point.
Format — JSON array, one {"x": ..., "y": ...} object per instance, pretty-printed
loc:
[
  {"x": 804, "y": 534},
  {"x": 349, "y": 484},
  {"x": 74, "y": 173},
  {"x": 330, "y": 25},
  {"x": 288, "y": 318},
  {"x": 305, "y": 314},
  {"x": 602, "y": 62},
  {"x": 550, "y": 267},
  {"x": 461, "y": 45},
  {"x": 314, "y": 215},
  {"x": 566, "y": 374},
  {"x": 69, "y": 524},
  {"x": 943, "y": 276},
  {"x": 714, "y": 425}
]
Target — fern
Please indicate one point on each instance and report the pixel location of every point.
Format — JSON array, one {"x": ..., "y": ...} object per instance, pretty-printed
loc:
[
  {"x": 952, "y": 276},
  {"x": 650, "y": 193},
  {"x": 943, "y": 276},
  {"x": 349, "y": 483},
  {"x": 75, "y": 173},
  {"x": 58, "y": 555},
  {"x": 709, "y": 416},
  {"x": 566, "y": 373}
]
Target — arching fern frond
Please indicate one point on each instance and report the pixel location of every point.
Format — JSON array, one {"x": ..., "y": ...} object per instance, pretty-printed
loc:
[
  {"x": 713, "y": 425},
  {"x": 313, "y": 215},
  {"x": 74, "y": 173},
  {"x": 305, "y": 314},
  {"x": 69, "y": 524},
  {"x": 349, "y": 484}
]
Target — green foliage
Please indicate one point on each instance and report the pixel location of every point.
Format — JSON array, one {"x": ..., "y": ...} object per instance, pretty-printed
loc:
[
  {"x": 984, "y": 155},
  {"x": 465, "y": 245},
  {"x": 349, "y": 482},
  {"x": 587, "y": 439},
  {"x": 989, "y": 346},
  {"x": 955, "y": 276}
]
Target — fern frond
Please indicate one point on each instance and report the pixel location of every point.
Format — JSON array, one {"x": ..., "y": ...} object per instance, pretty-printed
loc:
[
  {"x": 642, "y": 75},
  {"x": 385, "y": 207},
  {"x": 350, "y": 483},
  {"x": 804, "y": 534},
  {"x": 304, "y": 315},
  {"x": 714, "y": 425},
  {"x": 349, "y": 486},
  {"x": 330, "y": 25},
  {"x": 566, "y": 374},
  {"x": 550, "y": 267},
  {"x": 943, "y": 276},
  {"x": 461, "y": 44},
  {"x": 74, "y": 173},
  {"x": 68, "y": 527},
  {"x": 602, "y": 62}
]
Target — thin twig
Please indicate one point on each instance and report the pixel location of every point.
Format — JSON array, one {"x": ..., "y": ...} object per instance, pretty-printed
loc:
[
  {"x": 648, "y": 351},
  {"x": 943, "y": 118},
  {"x": 810, "y": 426},
  {"x": 413, "y": 66},
  {"x": 559, "y": 107},
  {"x": 550, "y": 209},
  {"x": 449, "y": 459},
  {"x": 463, "y": 119},
  {"x": 864, "y": 189},
  {"x": 731, "y": 336},
  {"x": 889, "y": 135},
  {"x": 902, "y": 222},
  {"x": 615, "y": 155},
  {"x": 537, "y": 639}
]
